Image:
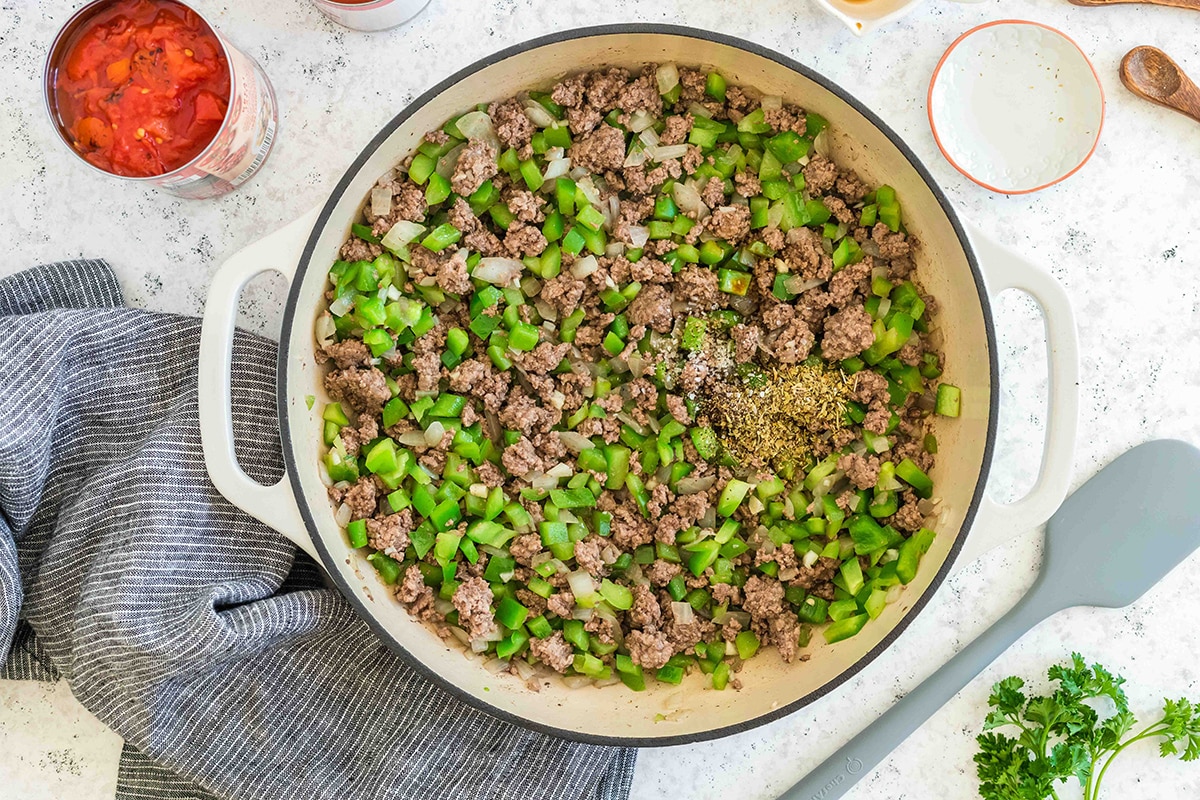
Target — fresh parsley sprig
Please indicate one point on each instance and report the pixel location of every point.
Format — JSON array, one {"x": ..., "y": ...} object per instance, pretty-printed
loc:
[{"x": 1062, "y": 736}]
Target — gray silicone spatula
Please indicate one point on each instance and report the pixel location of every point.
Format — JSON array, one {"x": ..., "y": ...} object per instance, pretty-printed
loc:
[{"x": 1111, "y": 541}]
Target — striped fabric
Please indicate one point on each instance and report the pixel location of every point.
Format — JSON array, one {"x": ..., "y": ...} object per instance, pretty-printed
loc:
[{"x": 192, "y": 630}]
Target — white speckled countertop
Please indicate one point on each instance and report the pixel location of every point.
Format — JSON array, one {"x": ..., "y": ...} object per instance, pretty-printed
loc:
[{"x": 1121, "y": 235}]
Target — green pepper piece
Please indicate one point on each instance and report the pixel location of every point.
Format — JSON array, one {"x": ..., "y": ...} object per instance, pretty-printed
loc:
[
  {"x": 915, "y": 477},
  {"x": 733, "y": 281},
  {"x": 845, "y": 628},
  {"x": 617, "y": 596},
  {"x": 510, "y": 613},
  {"x": 702, "y": 555},
  {"x": 949, "y": 400},
  {"x": 732, "y": 496},
  {"x": 787, "y": 146},
  {"x": 441, "y": 237},
  {"x": 714, "y": 86},
  {"x": 387, "y": 567}
]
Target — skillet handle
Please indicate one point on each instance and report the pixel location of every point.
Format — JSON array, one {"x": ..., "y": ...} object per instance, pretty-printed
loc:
[
  {"x": 273, "y": 505},
  {"x": 997, "y": 523}
]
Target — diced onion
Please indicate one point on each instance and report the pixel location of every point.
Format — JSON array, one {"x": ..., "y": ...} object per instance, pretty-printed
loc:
[
  {"x": 565, "y": 515},
  {"x": 524, "y": 669},
  {"x": 614, "y": 249},
  {"x": 788, "y": 573},
  {"x": 584, "y": 266},
  {"x": 894, "y": 592},
  {"x": 798, "y": 285},
  {"x": 386, "y": 177},
  {"x": 775, "y": 215},
  {"x": 663, "y": 152},
  {"x": 495, "y": 666},
  {"x": 610, "y": 554},
  {"x": 576, "y": 681},
  {"x": 323, "y": 474},
  {"x": 827, "y": 483},
  {"x": 401, "y": 234},
  {"x": 821, "y": 143},
  {"x": 771, "y": 102},
  {"x": 462, "y": 636},
  {"x": 687, "y": 197},
  {"x": 927, "y": 507},
  {"x": 697, "y": 110},
  {"x": 885, "y": 305},
  {"x": 636, "y": 364},
  {"x": 560, "y": 470},
  {"x": 555, "y": 153},
  {"x": 412, "y": 438},
  {"x": 540, "y": 480},
  {"x": 342, "y": 305},
  {"x": 641, "y": 120},
  {"x": 694, "y": 485},
  {"x": 639, "y": 234},
  {"x": 581, "y": 583},
  {"x": 872, "y": 249},
  {"x": 434, "y": 433},
  {"x": 649, "y": 138},
  {"x": 447, "y": 163},
  {"x": 854, "y": 502},
  {"x": 667, "y": 77},
  {"x": 709, "y": 520},
  {"x": 381, "y": 201},
  {"x": 342, "y": 516},
  {"x": 889, "y": 555},
  {"x": 479, "y": 645},
  {"x": 325, "y": 330},
  {"x": 537, "y": 113},
  {"x": 478, "y": 125},
  {"x": 498, "y": 271},
  {"x": 547, "y": 311},
  {"x": 683, "y": 613},
  {"x": 810, "y": 558},
  {"x": 575, "y": 442},
  {"x": 557, "y": 168},
  {"x": 755, "y": 505},
  {"x": 589, "y": 190},
  {"x": 637, "y": 156}
]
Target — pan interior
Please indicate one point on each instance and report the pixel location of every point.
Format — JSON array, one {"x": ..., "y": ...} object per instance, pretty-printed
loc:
[{"x": 663, "y": 714}]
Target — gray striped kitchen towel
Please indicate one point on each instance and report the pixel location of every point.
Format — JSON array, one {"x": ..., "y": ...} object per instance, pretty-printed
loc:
[{"x": 192, "y": 630}]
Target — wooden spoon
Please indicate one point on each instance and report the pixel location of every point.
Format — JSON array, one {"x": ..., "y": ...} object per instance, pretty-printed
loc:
[
  {"x": 1150, "y": 73},
  {"x": 1194, "y": 4}
]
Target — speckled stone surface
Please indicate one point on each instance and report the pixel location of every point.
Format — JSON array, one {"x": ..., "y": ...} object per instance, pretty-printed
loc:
[{"x": 1121, "y": 235}]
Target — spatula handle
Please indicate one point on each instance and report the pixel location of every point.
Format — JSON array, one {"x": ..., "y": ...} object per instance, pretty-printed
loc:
[{"x": 843, "y": 769}]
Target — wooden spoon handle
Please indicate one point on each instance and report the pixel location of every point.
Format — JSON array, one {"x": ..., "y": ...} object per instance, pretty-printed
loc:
[{"x": 1193, "y": 4}]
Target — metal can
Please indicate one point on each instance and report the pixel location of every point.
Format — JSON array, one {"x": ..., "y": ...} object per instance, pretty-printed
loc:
[
  {"x": 239, "y": 147},
  {"x": 371, "y": 15}
]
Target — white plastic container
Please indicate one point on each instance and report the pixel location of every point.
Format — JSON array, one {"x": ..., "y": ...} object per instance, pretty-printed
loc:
[{"x": 376, "y": 15}]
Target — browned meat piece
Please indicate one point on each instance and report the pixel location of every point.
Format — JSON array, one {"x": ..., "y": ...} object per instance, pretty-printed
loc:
[
  {"x": 521, "y": 458},
  {"x": 650, "y": 650},
  {"x": 452, "y": 274},
  {"x": 473, "y": 601},
  {"x": 413, "y": 586},
  {"x": 660, "y": 572},
  {"x": 912, "y": 351},
  {"x": 909, "y": 517},
  {"x": 794, "y": 343},
  {"x": 645, "y": 612},
  {"x": 361, "y": 499},
  {"x": 354, "y": 438},
  {"x": 851, "y": 187},
  {"x": 563, "y": 292},
  {"x": 562, "y": 604},
  {"x": 525, "y": 205},
  {"x": 820, "y": 174},
  {"x": 891, "y": 245},
  {"x": 569, "y": 91},
  {"x": 678, "y": 409},
  {"x": 819, "y": 573},
  {"x": 747, "y": 184},
  {"x": 806, "y": 255},
  {"x": 713, "y": 193},
  {"x": 543, "y": 358},
  {"x": 554, "y": 651},
  {"x": 476, "y": 164},
  {"x": 525, "y": 547},
  {"x": 847, "y": 333},
  {"x": 345, "y": 354},
  {"x": 582, "y": 120},
  {"x": 390, "y": 534},
  {"x": 862, "y": 471},
  {"x": 524, "y": 240},
  {"x": 512, "y": 124},
  {"x": 587, "y": 555},
  {"x": 481, "y": 380},
  {"x": 746, "y": 339},
  {"x": 785, "y": 635},
  {"x": 871, "y": 388},
  {"x": 677, "y": 129},
  {"x": 731, "y": 223},
  {"x": 489, "y": 474},
  {"x": 356, "y": 249},
  {"x": 697, "y": 286},
  {"x": 652, "y": 308},
  {"x": 764, "y": 597},
  {"x": 365, "y": 390},
  {"x": 786, "y": 119},
  {"x": 604, "y": 87},
  {"x": 601, "y": 150},
  {"x": 641, "y": 94}
]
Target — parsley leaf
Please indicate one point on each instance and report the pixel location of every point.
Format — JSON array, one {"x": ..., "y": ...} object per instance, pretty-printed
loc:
[{"x": 1062, "y": 736}]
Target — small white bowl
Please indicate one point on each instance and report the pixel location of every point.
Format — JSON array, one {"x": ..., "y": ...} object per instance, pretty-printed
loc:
[{"x": 1016, "y": 106}]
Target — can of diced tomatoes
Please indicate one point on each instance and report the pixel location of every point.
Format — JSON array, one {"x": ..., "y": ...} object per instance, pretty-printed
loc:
[
  {"x": 149, "y": 91},
  {"x": 371, "y": 15}
]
